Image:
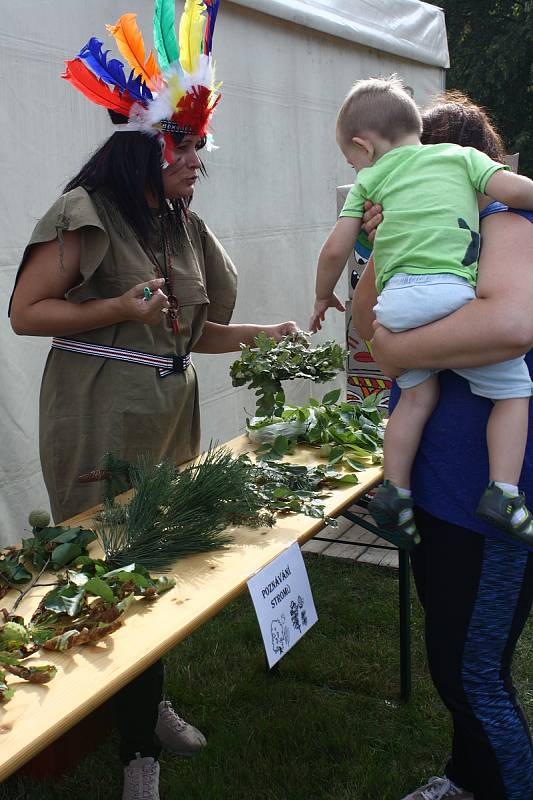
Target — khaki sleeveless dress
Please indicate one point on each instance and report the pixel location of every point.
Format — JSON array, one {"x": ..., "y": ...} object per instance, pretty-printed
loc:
[{"x": 91, "y": 405}]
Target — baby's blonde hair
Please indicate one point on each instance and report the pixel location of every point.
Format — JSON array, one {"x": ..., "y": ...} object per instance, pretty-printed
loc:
[{"x": 379, "y": 105}]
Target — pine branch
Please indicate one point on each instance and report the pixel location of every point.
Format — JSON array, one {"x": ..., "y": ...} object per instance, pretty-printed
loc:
[{"x": 173, "y": 514}]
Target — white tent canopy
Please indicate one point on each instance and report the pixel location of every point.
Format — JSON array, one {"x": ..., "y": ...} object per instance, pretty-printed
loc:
[
  {"x": 270, "y": 194},
  {"x": 406, "y": 28}
]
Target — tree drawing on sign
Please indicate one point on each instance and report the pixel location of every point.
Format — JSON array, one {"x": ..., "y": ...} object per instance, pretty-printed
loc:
[
  {"x": 298, "y": 614},
  {"x": 280, "y": 635}
]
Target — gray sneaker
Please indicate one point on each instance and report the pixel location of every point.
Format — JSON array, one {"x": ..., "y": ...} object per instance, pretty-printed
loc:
[
  {"x": 141, "y": 779},
  {"x": 394, "y": 512},
  {"x": 439, "y": 789},
  {"x": 176, "y": 735},
  {"x": 498, "y": 508}
]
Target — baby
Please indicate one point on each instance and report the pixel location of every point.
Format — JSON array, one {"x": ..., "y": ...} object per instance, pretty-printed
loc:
[{"x": 426, "y": 252}]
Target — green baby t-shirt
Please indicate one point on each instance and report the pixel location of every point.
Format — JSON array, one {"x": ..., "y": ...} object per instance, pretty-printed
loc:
[{"x": 430, "y": 213}]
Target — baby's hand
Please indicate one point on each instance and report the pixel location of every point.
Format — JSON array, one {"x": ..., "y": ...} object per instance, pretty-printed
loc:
[{"x": 319, "y": 311}]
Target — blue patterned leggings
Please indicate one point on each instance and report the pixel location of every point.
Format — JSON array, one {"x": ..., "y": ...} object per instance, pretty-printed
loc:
[{"x": 477, "y": 594}]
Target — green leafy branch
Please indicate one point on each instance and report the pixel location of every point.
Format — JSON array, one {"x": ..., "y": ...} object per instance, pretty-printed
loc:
[{"x": 264, "y": 367}]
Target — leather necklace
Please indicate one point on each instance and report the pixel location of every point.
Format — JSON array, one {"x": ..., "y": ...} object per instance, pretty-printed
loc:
[{"x": 165, "y": 271}]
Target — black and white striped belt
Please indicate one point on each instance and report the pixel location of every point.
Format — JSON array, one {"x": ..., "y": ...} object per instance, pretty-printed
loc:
[{"x": 165, "y": 365}]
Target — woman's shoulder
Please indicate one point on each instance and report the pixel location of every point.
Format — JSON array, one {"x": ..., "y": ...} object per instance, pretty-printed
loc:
[
  {"x": 200, "y": 232},
  {"x": 72, "y": 210},
  {"x": 196, "y": 222}
]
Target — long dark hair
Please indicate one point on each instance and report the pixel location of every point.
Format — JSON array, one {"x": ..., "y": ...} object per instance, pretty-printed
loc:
[
  {"x": 124, "y": 168},
  {"x": 456, "y": 119}
]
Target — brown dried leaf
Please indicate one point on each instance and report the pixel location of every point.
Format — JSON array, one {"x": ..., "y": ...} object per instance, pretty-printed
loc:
[
  {"x": 85, "y": 636},
  {"x": 32, "y": 674}
]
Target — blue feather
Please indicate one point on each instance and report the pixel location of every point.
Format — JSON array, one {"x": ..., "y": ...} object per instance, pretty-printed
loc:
[
  {"x": 212, "y": 11},
  {"x": 112, "y": 71},
  {"x": 138, "y": 88}
]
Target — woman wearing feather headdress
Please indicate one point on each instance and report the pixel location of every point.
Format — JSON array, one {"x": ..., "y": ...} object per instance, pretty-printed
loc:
[{"x": 128, "y": 282}]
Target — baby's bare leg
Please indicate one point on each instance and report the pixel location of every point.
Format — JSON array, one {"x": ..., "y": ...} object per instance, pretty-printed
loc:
[
  {"x": 506, "y": 439},
  {"x": 404, "y": 430}
]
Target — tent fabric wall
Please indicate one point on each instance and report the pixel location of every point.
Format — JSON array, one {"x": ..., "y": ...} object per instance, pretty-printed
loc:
[{"x": 269, "y": 197}]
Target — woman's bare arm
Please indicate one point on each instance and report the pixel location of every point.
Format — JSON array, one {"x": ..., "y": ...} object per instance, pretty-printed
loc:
[
  {"x": 496, "y": 326},
  {"x": 363, "y": 301},
  {"x": 39, "y": 307},
  {"x": 218, "y": 338}
]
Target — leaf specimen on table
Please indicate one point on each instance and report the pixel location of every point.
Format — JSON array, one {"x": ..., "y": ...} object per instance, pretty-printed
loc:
[
  {"x": 86, "y": 605},
  {"x": 344, "y": 432},
  {"x": 297, "y": 489}
]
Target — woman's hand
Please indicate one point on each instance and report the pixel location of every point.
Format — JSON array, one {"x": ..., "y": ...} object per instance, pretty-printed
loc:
[
  {"x": 381, "y": 345},
  {"x": 133, "y": 305},
  {"x": 282, "y": 329},
  {"x": 372, "y": 217}
]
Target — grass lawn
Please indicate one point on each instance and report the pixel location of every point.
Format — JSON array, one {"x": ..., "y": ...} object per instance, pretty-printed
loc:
[{"x": 326, "y": 725}]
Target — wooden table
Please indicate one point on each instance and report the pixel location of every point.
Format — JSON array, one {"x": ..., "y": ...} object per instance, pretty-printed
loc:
[{"x": 37, "y": 715}]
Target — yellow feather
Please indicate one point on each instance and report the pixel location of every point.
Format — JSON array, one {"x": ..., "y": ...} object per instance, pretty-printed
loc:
[
  {"x": 191, "y": 34},
  {"x": 175, "y": 89}
]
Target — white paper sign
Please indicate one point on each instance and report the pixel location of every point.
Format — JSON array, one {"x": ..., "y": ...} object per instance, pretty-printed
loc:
[{"x": 283, "y": 602}]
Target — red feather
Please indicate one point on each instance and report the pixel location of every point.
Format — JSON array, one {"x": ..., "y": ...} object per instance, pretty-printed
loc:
[
  {"x": 195, "y": 109},
  {"x": 96, "y": 90}
]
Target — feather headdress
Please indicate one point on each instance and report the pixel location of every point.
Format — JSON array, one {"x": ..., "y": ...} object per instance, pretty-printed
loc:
[{"x": 176, "y": 96}]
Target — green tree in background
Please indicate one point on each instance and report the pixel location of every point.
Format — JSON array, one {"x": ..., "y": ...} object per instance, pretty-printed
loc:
[{"x": 491, "y": 55}]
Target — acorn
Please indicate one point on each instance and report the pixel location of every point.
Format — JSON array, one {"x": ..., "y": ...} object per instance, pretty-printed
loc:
[{"x": 39, "y": 518}]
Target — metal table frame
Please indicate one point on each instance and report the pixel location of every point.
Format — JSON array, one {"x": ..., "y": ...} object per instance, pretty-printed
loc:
[{"x": 404, "y": 586}]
